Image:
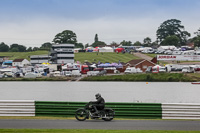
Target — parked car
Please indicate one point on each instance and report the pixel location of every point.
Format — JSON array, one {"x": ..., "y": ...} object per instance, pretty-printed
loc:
[
  {"x": 68, "y": 73},
  {"x": 92, "y": 73},
  {"x": 139, "y": 70},
  {"x": 130, "y": 70},
  {"x": 76, "y": 73},
  {"x": 175, "y": 52},
  {"x": 2, "y": 75},
  {"x": 168, "y": 52},
  {"x": 158, "y": 69},
  {"x": 30, "y": 75},
  {"x": 56, "y": 74},
  {"x": 188, "y": 69},
  {"x": 101, "y": 73},
  {"x": 149, "y": 69}
]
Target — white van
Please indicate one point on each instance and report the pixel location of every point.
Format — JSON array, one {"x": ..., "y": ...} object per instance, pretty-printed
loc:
[
  {"x": 158, "y": 69},
  {"x": 76, "y": 73},
  {"x": 130, "y": 70},
  {"x": 188, "y": 69}
]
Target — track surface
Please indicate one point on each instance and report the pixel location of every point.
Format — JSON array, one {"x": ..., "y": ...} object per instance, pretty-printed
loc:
[{"x": 100, "y": 124}]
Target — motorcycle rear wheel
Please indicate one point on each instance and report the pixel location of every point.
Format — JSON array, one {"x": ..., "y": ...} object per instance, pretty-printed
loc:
[
  {"x": 109, "y": 115},
  {"x": 81, "y": 115}
]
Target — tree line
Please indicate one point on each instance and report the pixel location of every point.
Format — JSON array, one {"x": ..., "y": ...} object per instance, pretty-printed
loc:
[{"x": 170, "y": 32}]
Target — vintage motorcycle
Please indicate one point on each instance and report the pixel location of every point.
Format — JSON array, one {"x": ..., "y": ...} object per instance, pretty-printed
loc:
[{"x": 107, "y": 114}]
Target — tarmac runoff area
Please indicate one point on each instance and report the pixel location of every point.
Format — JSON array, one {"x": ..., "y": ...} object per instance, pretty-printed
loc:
[{"x": 183, "y": 125}]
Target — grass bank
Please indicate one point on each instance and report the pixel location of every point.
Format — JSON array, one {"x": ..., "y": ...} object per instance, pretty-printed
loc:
[
  {"x": 104, "y": 57},
  {"x": 88, "y": 131},
  {"x": 156, "y": 77},
  {"x": 81, "y": 57},
  {"x": 22, "y": 55},
  {"x": 40, "y": 79}
]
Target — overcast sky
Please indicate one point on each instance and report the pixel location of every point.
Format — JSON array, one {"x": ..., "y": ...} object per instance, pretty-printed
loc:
[{"x": 34, "y": 22}]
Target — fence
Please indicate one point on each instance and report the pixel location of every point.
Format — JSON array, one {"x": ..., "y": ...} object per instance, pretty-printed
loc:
[
  {"x": 122, "y": 110},
  {"x": 180, "y": 111},
  {"x": 17, "y": 108}
]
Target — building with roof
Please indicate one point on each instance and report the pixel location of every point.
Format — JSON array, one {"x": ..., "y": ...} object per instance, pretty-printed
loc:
[
  {"x": 39, "y": 59},
  {"x": 140, "y": 63},
  {"x": 62, "y": 53},
  {"x": 20, "y": 62}
]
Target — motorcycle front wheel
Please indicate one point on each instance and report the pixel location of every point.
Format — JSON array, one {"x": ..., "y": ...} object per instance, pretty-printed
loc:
[{"x": 81, "y": 114}]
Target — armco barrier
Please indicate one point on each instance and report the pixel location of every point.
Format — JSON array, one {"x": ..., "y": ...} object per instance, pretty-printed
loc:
[
  {"x": 17, "y": 108},
  {"x": 180, "y": 111},
  {"x": 122, "y": 110}
]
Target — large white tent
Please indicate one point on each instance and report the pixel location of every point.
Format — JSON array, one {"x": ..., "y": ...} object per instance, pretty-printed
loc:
[{"x": 106, "y": 49}]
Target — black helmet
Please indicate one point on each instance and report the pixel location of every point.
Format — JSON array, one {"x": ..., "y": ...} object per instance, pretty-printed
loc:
[{"x": 98, "y": 95}]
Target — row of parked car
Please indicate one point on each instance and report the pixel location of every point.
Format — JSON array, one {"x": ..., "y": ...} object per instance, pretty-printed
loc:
[{"x": 173, "y": 68}]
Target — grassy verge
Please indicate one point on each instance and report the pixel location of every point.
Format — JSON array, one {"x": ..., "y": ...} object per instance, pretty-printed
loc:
[
  {"x": 40, "y": 79},
  {"x": 88, "y": 131},
  {"x": 104, "y": 57},
  {"x": 81, "y": 57},
  {"x": 22, "y": 55},
  {"x": 156, "y": 77}
]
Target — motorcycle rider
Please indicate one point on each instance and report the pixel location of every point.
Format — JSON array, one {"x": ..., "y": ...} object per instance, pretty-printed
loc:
[{"x": 99, "y": 104}]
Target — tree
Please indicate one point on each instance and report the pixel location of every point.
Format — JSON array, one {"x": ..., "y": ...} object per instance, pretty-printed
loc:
[
  {"x": 17, "y": 48},
  {"x": 172, "y": 27},
  {"x": 46, "y": 45},
  {"x": 126, "y": 43},
  {"x": 4, "y": 47},
  {"x": 147, "y": 41},
  {"x": 66, "y": 36},
  {"x": 114, "y": 43},
  {"x": 197, "y": 32},
  {"x": 79, "y": 45},
  {"x": 22, "y": 48},
  {"x": 14, "y": 46},
  {"x": 137, "y": 43},
  {"x": 35, "y": 48},
  {"x": 86, "y": 45},
  {"x": 96, "y": 38},
  {"x": 196, "y": 41},
  {"x": 171, "y": 40},
  {"x": 99, "y": 43},
  {"x": 29, "y": 49}
]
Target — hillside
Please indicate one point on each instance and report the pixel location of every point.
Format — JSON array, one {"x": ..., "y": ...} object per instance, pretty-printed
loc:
[
  {"x": 81, "y": 57},
  {"x": 21, "y": 55},
  {"x": 104, "y": 57}
]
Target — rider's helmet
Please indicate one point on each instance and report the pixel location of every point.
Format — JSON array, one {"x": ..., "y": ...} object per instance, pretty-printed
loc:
[{"x": 97, "y": 95}]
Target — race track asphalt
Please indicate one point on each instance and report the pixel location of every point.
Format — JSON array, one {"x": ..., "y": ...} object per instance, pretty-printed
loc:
[{"x": 184, "y": 125}]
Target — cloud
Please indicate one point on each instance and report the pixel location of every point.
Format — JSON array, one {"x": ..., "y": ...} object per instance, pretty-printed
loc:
[{"x": 41, "y": 29}]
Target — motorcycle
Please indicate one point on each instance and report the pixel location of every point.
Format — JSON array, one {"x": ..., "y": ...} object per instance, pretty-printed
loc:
[{"x": 106, "y": 114}]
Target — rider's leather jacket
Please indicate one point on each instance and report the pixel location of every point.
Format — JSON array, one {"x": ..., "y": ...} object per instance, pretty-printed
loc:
[{"x": 100, "y": 101}]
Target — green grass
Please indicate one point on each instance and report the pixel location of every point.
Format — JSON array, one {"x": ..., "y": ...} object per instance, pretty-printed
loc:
[
  {"x": 104, "y": 57},
  {"x": 82, "y": 57},
  {"x": 40, "y": 79},
  {"x": 88, "y": 131},
  {"x": 22, "y": 55},
  {"x": 153, "y": 77}
]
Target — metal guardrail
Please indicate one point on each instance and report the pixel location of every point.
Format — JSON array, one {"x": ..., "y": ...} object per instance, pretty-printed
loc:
[
  {"x": 180, "y": 111},
  {"x": 17, "y": 108},
  {"x": 122, "y": 110}
]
